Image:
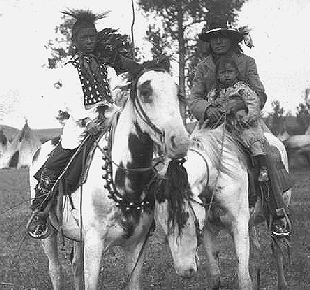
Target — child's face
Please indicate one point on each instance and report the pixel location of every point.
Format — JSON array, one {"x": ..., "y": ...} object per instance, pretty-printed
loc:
[{"x": 227, "y": 75}]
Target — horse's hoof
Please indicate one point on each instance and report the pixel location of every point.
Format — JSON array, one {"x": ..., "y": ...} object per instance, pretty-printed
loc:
[{"x": 215, "y": 282}]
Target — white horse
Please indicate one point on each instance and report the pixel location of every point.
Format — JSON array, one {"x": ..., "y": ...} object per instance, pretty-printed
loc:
[
  {"x": 116, "y": 209},
  {"x": 217, "y": 199}
]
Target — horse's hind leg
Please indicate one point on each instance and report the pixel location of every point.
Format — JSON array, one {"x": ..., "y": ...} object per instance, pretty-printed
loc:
[
  {"x": 209, "y": 241},
  {"x": 50, "y": 247},
  {"x": 78, "y": 265}
]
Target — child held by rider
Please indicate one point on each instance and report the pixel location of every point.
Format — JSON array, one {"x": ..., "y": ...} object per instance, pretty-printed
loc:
[{"x": 229, "y": 88}]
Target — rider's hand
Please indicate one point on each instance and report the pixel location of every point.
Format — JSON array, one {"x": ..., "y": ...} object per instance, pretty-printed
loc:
[
  {"x": 212, "y": 113},
  {"x": 92, "y": 128},
  {"x": 234, "y": 106}
]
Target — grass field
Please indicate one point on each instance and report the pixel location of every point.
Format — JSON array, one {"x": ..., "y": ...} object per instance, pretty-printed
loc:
[{"x": 24, "y": 266}]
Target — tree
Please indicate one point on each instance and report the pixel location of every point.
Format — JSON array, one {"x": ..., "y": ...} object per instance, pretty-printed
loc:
[
  {"x": 275, "y": 119},
  {"x": 179, "y": 17},
  {"x": 160, "y": 45},
  {"x": 60, "y": 47},
  {"x": 303, "y": 116}
]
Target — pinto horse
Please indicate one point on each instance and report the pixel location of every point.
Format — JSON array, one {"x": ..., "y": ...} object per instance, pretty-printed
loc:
[
  {"x": 116, "y": 209},
  {"x": 216, "y": 167}
]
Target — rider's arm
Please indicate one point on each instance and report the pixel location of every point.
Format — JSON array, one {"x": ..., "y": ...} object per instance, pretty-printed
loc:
[
  {"x": 196, "y": 101},
  {"x": 254, "y": 81}
]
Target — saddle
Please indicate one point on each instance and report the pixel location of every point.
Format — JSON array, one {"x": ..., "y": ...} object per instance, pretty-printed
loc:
[
  {"x": 280, "y": 176},
  {"x": 77, "y": 172},
  {"x": 279, "y": 173}
]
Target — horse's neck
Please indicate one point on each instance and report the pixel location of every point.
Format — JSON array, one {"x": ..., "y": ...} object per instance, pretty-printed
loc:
[
  {"x": 220, "y": 152},
  {"x": 131, "y": 149}
]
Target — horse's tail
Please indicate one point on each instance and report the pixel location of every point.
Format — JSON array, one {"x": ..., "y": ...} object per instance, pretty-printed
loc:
[{"x": 174, "y": 188}]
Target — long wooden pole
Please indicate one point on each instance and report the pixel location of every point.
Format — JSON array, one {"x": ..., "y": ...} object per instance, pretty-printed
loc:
[{"x": 132, "y": 32}]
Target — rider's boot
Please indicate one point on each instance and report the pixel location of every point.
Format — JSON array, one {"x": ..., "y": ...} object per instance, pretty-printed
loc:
[
  {"x": 263, "y": 175},
  {"x": 45, "y": 190},
  {"x": 37, "y": 226},
  {"x": 281, "y": 225}
]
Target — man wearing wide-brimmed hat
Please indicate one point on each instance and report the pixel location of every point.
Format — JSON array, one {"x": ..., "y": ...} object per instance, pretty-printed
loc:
[
  {"x": 222, "y": 40},
  {"x": 225, "y": 41}
]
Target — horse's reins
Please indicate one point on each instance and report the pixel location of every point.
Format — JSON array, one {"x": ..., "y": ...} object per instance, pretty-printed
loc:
[
  {"x": 199, "y": 231},
  {"x": 210, "y": 203},
  {"x": 140, "y": 111},
  {"x": 114, "y": 194}
]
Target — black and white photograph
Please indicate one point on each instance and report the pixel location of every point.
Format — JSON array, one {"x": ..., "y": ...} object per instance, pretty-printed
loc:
[{"x": 154, "y": 144}]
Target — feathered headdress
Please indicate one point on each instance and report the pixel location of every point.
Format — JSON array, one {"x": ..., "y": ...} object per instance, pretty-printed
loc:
[
  {"x": 245, "y": 31},
  {"x": 84, "y": 19}
]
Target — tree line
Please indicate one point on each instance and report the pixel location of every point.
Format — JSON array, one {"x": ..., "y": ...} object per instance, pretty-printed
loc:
[
  {"x": 276, "y": 120},
  {"x": 174, "y": 34}
]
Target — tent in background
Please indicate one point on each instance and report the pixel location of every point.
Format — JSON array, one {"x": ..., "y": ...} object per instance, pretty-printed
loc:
[
  {"x": 4, "y": 143},
  {"x": 20, "y": 151}
]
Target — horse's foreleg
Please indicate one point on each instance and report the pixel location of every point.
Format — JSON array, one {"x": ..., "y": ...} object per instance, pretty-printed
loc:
[
  {"x": 50, "y": 247},
  {"x": 242, "y": 245},
  {"x": 135, "y": 257},
  {"x": 78, "y": 265},
  {"x": 209, "y": 242},
  {"x": 278, "y": 254},
  {"x": 93, "y": 247}
]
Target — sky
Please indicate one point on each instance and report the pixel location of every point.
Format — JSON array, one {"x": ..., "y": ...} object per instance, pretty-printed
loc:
[{"x": 279, "y": 31}]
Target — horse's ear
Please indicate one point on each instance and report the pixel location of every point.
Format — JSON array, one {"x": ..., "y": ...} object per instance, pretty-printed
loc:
[
  {"x": 130, "y": 66},
  {"x": 164, "y": 62}
]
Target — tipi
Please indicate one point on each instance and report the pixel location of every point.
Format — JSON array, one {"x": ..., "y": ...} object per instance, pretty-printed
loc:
[
  {"x": 20, "y": 152},
  {"x": 3, "y": 143}
]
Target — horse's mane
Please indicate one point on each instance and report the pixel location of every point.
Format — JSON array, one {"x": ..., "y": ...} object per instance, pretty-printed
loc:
[
  {"x": 175, "y": 189},
  {"x": 162, "y": 63},
  {"x": 220, "y": 147}
]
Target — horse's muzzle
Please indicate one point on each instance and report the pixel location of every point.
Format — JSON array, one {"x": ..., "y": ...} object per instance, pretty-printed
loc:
[
  {"x": 188, "y": 273},
  {"x": 177, "y": 146}
]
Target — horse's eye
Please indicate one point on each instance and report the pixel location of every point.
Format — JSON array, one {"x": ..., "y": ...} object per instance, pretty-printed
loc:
[{"x": 146, "y": 92}]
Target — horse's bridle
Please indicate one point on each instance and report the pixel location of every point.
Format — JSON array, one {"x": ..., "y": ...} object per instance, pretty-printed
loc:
[
  {"x": 199, "y": 231},
  {"x": 139, "y": 108}
]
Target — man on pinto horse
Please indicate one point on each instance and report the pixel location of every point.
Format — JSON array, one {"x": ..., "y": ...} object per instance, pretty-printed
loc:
[
  {"x": 222, "y": 42},
  {"x": 87, "y": 94}
]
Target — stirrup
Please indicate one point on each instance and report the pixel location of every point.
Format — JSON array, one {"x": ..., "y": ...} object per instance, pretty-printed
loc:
[
  {"x": 281, "y": 227},
  {"x": 38, "y": 226},
  {"x": 280, "y": 232},
  {"x": 263, "y": 176}
]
